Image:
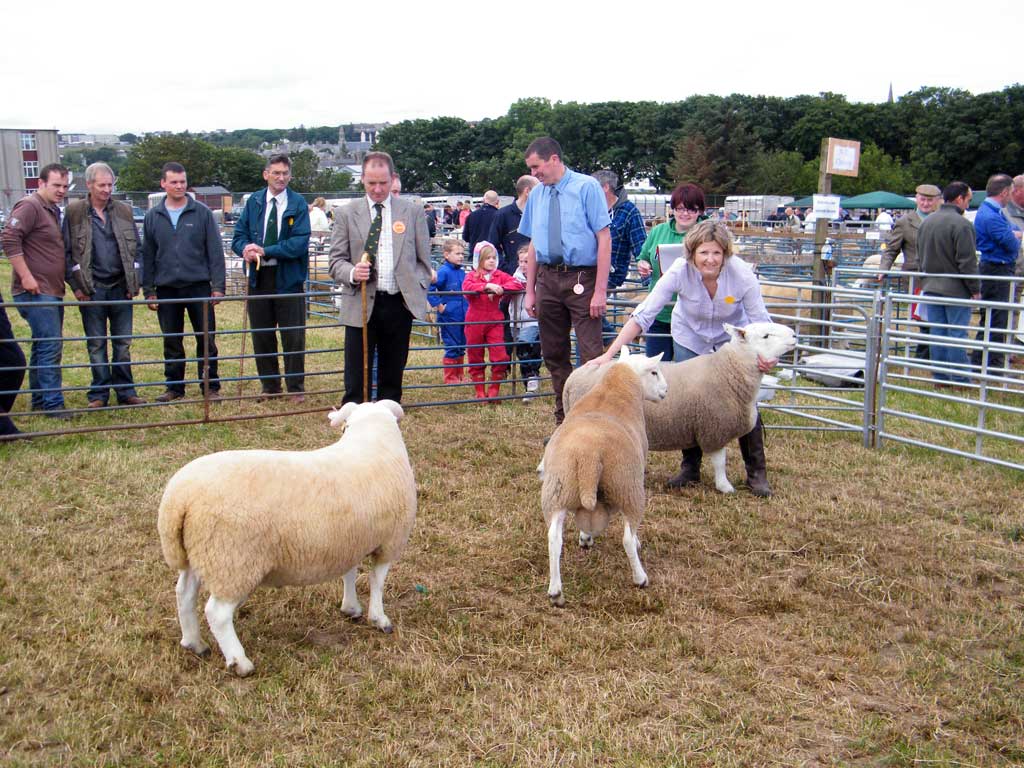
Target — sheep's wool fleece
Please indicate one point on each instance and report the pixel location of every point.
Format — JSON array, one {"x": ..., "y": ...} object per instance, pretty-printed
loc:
[
  {"x": 600, "y": 445},
  {"x": 245, "y": 518},
  {"x": 710, "y": 399}
]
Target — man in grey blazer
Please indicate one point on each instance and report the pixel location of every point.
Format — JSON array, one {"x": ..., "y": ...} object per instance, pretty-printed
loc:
[{"x": 396, "y": 286}]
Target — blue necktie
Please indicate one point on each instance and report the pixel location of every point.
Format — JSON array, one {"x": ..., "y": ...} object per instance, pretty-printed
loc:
[{"x": 554, "y": 230}]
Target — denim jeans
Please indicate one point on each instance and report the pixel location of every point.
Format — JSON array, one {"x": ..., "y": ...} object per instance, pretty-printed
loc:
[
  {"x": 948, "y": 314},
  {"x": 94, "y": 320},
  {"x": 45, "y": 316},
  {"x": 663, "y": 344},
  {"x": 681, "y": 353}
]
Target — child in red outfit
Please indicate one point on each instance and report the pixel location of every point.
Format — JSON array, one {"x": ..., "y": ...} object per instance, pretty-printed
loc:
[{"x": 484, "y": 320}]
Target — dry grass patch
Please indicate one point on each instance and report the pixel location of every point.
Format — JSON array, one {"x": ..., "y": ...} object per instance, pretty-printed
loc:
[{"x": 869, "y": 614}]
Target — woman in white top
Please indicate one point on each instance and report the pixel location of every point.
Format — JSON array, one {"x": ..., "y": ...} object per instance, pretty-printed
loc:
[
  {"x": 318, "y": 221},
  {"x": 712, "y": 289}
]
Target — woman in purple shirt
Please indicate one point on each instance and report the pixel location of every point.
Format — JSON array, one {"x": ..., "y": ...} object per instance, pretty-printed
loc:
[{"x": 712, "y": 289}]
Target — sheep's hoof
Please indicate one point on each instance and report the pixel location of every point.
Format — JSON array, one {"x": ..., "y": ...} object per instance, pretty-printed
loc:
[
  {"x": 558, "y": 601},
  {"x": 586, "y": 540},
  {"x": 387, "y": 629},
  {"x": 355, "y": 614},
  {"x": 725, "y": 488},
  {"x": 200, "y": 649},
  {"x": 241, "y": 667},
  {"x": 643, "y": 584}
]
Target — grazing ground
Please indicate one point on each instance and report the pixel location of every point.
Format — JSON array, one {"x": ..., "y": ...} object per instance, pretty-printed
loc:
[{"x": 871, "y": 613}]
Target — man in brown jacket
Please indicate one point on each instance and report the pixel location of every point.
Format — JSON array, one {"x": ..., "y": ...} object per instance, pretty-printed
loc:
[
  {"x": 103, "y": 266},
  {"x": 33, "y": 242}
]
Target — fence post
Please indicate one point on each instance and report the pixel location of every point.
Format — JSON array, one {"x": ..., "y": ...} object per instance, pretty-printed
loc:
[
  {"x": 207, "y": 308},
  {"x": 881, "y": 366}
]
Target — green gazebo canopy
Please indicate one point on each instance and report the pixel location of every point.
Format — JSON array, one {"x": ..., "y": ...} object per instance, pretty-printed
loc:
[{"x": 878, "y": 199}]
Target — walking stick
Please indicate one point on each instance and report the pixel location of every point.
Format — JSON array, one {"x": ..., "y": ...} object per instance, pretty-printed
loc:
[{"x": 366, "y": 345}]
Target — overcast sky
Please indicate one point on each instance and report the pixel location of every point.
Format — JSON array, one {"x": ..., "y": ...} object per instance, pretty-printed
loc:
[{"x": 122, "y": 67}]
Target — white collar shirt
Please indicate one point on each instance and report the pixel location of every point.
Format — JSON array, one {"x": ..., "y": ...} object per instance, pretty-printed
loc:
[
  {"x": 282, "y": 203},
  {"x": 385, "y": 248}
]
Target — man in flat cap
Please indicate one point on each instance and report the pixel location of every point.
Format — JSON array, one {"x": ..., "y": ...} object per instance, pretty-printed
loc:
[{"x": 903, "y": 237}]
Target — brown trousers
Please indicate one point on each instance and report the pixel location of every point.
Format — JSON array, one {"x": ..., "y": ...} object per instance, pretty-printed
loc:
[{"x": 558, "y": 311}]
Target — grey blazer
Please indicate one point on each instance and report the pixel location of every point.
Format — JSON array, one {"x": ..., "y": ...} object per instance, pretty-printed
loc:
[{"x": 411, "y": 250}]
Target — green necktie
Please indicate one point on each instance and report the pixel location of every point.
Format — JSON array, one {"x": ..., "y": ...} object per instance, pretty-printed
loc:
[
  {"x": 270, "y": 237},
  {"x": 373, "y": 236}
]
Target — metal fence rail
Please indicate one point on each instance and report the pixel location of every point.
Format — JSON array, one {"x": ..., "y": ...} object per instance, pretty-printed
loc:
[{"x": 869, "y": 382}]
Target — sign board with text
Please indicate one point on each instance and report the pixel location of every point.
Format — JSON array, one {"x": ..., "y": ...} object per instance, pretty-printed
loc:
[
  {"x": 826, "y": 207},
  {"x": 843, "y": 157}
]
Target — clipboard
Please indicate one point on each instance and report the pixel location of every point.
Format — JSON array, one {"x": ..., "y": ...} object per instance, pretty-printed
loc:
[{"x": 668, "y": 255}]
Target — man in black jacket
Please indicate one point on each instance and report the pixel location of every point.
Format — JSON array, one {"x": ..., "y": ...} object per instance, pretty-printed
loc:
[
  {"x": 478, "y": 224},
  {"x": 183, "y": 258}
]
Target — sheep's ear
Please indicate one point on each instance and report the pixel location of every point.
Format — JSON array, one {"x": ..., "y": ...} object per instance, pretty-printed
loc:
[
  {"x": 339, "y": 417},
  {"x": 624, "y": 354},
  {"x": 734, "y": 332},
  {"x": 657, "y": 358},
  {"x": 394, "y": 407}
]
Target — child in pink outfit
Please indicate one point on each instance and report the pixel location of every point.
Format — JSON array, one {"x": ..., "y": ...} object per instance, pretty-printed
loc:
[{"x": 484, "y": 321}]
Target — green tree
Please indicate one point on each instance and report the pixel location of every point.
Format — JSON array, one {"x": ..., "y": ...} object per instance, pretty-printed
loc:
[
  {"x": 305, "y": 168},
  {"x": 430, "y": 154},
  {"x": 128, "y": 138},
  {"x": 692, "y": 163},
  {"x": 238, "y": 169},
  {"x": 146, "y": 159},
  {"x": 777, "y": 172}
]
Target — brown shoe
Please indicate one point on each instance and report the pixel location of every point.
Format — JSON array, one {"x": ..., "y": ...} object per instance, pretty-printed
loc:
[
  {"x": 265, "y": 396},
  {"x": 133, "y": 400},
  {"x": 297, "y": 397},
  {"x": 96, "y": 404},
  {"x": 213, "y": 395},
  {"x": 169, "y": 396}
]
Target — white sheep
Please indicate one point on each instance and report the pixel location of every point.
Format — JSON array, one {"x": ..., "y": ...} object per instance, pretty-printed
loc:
[
  {"x": 236, "y": 520},
  {"x": 711, "y": 398},
  {"x": 594, "y": 464}
]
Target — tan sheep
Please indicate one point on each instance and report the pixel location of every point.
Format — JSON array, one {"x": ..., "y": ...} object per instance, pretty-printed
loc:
[
  {"x": 711, "y": 398},
  {"x": 237, "y": 520},
  {"x": 594, "y": 464}
]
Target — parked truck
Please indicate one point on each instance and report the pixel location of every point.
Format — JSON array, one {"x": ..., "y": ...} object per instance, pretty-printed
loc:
[{"x": 754, "y": 208}]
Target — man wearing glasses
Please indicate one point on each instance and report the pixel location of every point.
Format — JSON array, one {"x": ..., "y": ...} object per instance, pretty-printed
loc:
[{"x": 272, "y": 235}]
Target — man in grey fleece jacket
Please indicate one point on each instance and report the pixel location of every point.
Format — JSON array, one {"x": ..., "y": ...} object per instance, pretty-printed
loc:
[{"x": 183, "y": 258}]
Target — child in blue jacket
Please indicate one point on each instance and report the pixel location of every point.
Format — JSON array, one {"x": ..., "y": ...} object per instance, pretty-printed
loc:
[{"x": 451, "y": 310}]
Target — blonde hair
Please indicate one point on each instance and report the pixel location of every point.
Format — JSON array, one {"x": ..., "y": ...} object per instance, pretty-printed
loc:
[
  {"x": 485, "y": 253},
  {"x": 709, "y": 232},
  {"x": 320, "y": 203},
  {"x": 450, "y": 245}
]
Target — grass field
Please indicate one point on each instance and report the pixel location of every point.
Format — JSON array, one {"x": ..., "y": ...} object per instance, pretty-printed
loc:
[{"x": 871, "y": 613}]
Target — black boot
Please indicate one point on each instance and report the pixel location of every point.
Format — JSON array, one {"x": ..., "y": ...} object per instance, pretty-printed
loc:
[
  {"x": 689, "y": 468},
  {"x": 752, "y": 448}
]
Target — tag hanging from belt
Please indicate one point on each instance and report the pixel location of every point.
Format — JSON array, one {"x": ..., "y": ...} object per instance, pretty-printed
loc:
[{"x": 578, "y": 288}]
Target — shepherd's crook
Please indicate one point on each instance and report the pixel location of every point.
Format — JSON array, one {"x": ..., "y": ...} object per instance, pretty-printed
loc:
[{"x": 366, "y": 350}]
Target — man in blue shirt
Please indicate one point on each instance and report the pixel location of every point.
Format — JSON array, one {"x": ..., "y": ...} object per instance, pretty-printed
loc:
[
  {"x": 566, "y": 219},
  {"x": 999, "y": 244}
]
